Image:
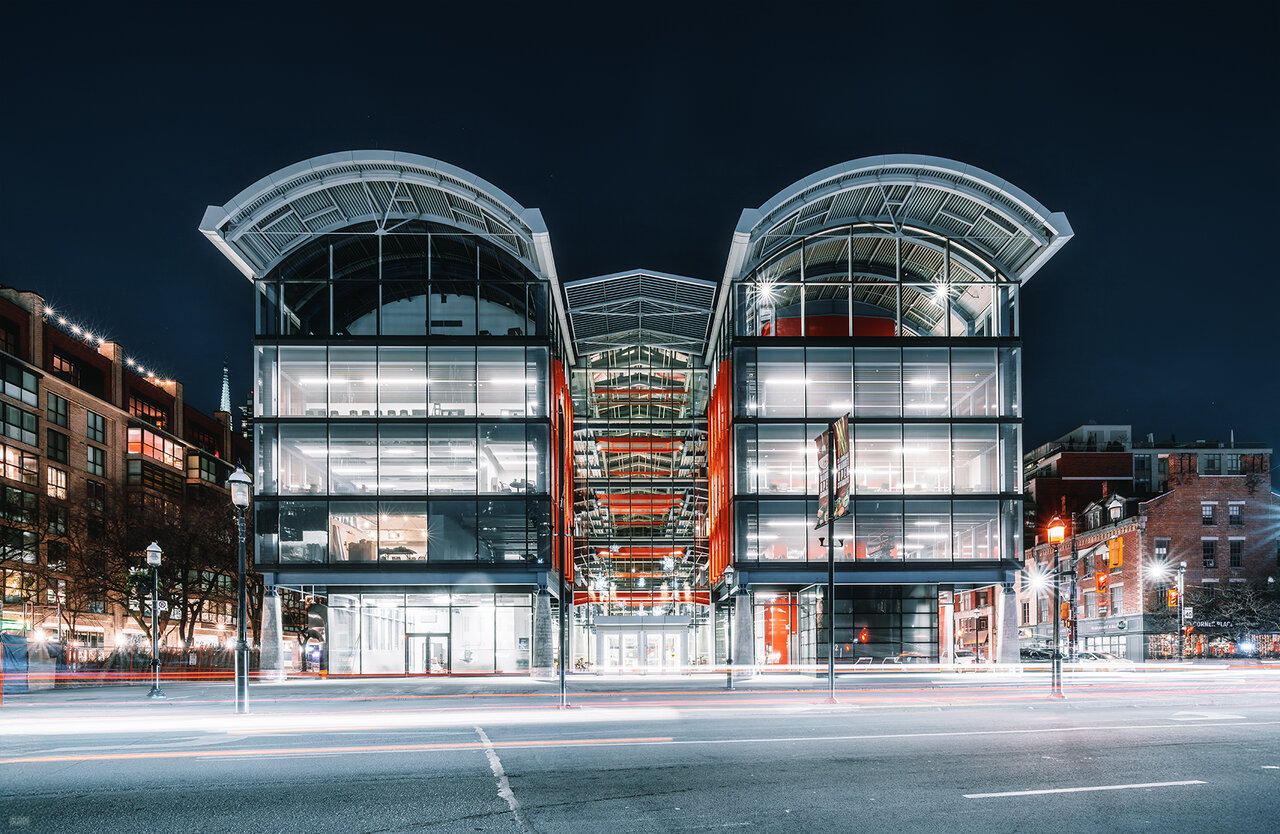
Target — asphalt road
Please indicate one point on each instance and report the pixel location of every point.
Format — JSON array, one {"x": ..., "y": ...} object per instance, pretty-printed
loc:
[{"x": 1171, "y": 752}]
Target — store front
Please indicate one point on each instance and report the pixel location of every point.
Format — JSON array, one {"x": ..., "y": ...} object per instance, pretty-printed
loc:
[{"x": 441, "y": 632}]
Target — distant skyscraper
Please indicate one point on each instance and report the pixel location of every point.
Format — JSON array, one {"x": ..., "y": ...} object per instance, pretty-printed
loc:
[{"x": 224, "y": 404}]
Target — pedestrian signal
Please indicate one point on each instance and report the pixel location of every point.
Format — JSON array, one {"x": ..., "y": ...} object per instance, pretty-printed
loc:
[{"x": 1101, "y": 581}]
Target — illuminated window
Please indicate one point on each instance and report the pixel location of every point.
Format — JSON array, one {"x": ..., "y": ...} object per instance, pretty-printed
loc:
[
  {"x": 1208, "y": 514},
  {"x": 144, "y": 442},
  {"x": 1235, "y": 514},
  {"x": 57, "y": 446},
  {"x": 20, "y": 465},
  {"x": 56, "y": 410},
  {"x": 147, "y": 410},
  {"x": 57, "y": 483},
  {"x": 202, "y": 439},
  {"x": 96, "y": 427},
  {"x": 1162, "y": 548}
]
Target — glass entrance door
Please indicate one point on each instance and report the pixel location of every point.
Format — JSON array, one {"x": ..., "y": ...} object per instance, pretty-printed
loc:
[{"x": 428, "y": 654}]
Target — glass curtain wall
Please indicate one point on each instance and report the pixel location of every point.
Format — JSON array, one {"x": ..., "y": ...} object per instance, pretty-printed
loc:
[
  {"x": 642, "y": 414},
  {"x": 403, "y": 402},
  {"x": 917, "y": 341}
]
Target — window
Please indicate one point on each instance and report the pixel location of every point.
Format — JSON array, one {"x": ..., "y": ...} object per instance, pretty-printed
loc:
[
  {"x": 1117, "y": 601},
  {"x": 95, "y": 495},
  {"x": 144, "y": 442},
  {"x": 1208, "y": 513},
  {"x": 1162, "y": 548},
  {"x": 203, "y": 467},
  {"x": 56, "y": 449},
  {"x": 19, "y": 425},
  {"x": 1237, "y": 553},
  {"x": 56, "y": 409},
  {"x": 57, "y": 484},
  {"x": 1209, "y": 549},
  {"x": 18, "y": 506},
  {"x": 56, "y": 556},
  {"x": 57, "y": 520},
  {"x": 1233, "y": 464},
  {"x": 96, "y": 427},
  {"x": 10, "y": 336},
  {"x": 97, "y": 462},
  {"x": 19, "y": 383},
  {"x": 66, "y": 368},
  {"x": 20, "y": 465},
  {"x": 1026, "y": 613},
  {"x": 1212, "y": 465},
  {"x": 145, "y": 409},
  {"x": 143, "y": 473},
  {"x": 202, "y": 439},
  {"x": 1235, "y": 514}
]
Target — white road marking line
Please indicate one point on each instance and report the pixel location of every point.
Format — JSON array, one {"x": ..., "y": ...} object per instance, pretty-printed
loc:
[
  {"x": 1083, "y": 790},
  {"x": 1203, "y": 716},
  {"x": 504, "y": 787}
]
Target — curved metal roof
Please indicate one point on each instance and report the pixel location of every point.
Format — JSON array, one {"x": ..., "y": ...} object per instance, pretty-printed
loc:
[
  {"x": 640, "y": 307},
  {"x": 926, "y": 200},
  {"x": 269, "y": 219}
]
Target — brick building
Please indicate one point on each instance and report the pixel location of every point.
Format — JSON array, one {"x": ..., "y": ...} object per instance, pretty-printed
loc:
[
  {"x": 84, "y": 427},
  {"x": 1216, "y": 512}
]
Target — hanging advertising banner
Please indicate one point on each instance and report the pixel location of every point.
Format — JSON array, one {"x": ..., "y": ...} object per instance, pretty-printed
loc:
[
  {"x": 842, "y": 467},
  {"x": 821, "y": 442}
]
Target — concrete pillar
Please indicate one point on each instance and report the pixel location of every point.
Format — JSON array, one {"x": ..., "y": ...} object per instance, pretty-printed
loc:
[
  {"x": 744, "y": 643},
  {"x": 1007, "y": 637},
  {"x": 543, "y": 644},
  {"x": 946, "y": 627},
  {"x": 271, "y": 659}
]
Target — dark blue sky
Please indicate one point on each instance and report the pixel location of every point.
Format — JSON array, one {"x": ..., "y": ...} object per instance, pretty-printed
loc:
[{"x": 643, "y": 136}]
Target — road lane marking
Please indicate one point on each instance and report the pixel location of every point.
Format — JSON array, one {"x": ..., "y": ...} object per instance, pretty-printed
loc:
[
  {"x": 1083, "y": 790},
  {"x": 373, "y": 748},
  {"x": 606, "y": 742},
  {"x": 504, "y": 787},
  {"x": 1203, "y": 716}
]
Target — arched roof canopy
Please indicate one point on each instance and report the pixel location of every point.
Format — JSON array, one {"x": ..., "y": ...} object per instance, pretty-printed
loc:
[
  {"x": 640, "y": 307},
  {"x": 267, "y": 221},
  {"x": 925, "y": 203}
]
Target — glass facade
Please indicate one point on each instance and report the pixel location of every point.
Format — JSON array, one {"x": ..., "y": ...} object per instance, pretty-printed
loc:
[
  {"x": 420, "y": 455},
  {"x": 437, "y": 631}
]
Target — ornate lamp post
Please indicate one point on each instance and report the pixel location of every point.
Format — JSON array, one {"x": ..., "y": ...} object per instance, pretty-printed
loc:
[
  {"x": 1056, "y": 533},
  {"x": 1182, "y": 607},
  {"x": 239, "y": 483},
  {"x": 154, "y": 553}
]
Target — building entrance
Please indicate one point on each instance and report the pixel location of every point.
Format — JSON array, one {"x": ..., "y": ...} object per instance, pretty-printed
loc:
[
  {"x": 643, "y": 644},
  {"x": 428, "y": 654}
]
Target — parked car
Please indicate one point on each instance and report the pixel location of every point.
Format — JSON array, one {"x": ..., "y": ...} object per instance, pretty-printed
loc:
[{"x": 965, "y": 657}]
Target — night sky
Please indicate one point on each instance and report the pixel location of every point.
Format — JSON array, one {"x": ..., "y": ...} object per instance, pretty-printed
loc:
[{"x": 641, "y": 131}]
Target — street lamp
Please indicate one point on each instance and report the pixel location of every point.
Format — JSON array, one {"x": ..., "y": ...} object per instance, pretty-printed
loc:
[
  {"x": 1182, "y": 607},
  {"x": 153, "y": 559},
  {"x": 1057, "y": 532},
  {"x": 239, "y": 484}
]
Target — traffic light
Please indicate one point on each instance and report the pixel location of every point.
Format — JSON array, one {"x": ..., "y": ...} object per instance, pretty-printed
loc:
[
  {"x": 1064, "y": 612},
  {"x": 1101, "y": 581},
  {"x": 1117, "y": 552},
  {"x": 1173, "y": 597}
]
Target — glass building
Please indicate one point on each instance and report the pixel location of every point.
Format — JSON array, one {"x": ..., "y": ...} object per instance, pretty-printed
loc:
[{"x": 446, "y": 435}]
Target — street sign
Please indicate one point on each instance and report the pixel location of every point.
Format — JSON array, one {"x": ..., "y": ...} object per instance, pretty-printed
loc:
[
  {"x": 1188, "y": 612},
  {"x": 162, "y": 605}
]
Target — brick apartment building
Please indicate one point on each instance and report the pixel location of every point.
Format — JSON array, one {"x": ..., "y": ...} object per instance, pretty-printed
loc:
[
  {"x": 83, "y": 427},
  {"x": 1213, "y": 508}
]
